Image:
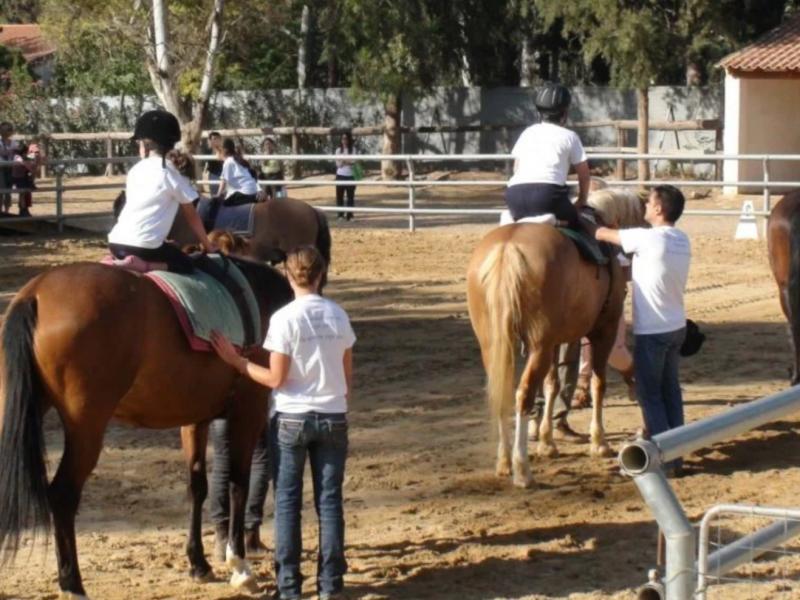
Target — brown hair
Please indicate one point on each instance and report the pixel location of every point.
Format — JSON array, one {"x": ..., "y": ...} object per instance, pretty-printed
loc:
[
  {"x": 183, "y": 162},
  {"x": 227, "y": 242},
  {"x": 305, "y": 265}
]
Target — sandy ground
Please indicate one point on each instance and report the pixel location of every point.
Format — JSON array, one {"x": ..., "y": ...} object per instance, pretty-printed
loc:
[{"x": 426, "y": 517}]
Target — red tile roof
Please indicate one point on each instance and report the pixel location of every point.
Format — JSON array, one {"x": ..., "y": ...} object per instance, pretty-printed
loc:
[
  {"x": 28, "y": 39},
  {"x": 777, "y": 51}
]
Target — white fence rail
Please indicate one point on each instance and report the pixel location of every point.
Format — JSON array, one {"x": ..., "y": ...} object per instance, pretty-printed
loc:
[{"x": 412, "y": 182}]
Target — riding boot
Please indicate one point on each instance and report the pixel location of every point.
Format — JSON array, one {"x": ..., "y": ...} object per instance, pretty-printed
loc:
[{"x": 220, "y": 541}]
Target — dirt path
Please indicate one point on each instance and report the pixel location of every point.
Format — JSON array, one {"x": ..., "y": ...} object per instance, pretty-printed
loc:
[{"x": 426, "y": 517}]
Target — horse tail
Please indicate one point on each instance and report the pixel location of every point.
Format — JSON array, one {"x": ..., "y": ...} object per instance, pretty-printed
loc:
[
  {"x": 794, "y": 288},
  {"x": 23, "y": 472},
  {"x": 501, "y": 275},
  {"x": 323, "y": 241}
]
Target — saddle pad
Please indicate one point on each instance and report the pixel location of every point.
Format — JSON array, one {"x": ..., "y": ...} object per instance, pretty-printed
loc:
[
  {"x": 202, "y": 304},
  {"x": 236, "y": 219},
  {"x": 545, "y": 219},
  {"x": 129, "y": 263},
  {"x": 589, "y": 248}
]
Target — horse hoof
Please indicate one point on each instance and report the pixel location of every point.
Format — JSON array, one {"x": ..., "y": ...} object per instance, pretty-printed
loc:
[
  {"x": 201, "y": 573},
  {"x": 523, "y": 481},
  {"x": 73, "y": 596},
  {"x": 244, "y": 581},
  {"x": 602, "y": 451},
  {"x": 547, "y": 450},
  {"x": 503, "y": 470}
]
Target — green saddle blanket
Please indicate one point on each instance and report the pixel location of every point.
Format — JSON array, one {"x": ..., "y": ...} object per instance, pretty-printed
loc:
[
  {"x": 588, "y": 247},
  {"x": 203, "y": 304}
]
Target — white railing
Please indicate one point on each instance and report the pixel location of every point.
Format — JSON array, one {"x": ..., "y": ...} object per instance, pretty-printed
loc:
[{"x": 412, "y": 182}]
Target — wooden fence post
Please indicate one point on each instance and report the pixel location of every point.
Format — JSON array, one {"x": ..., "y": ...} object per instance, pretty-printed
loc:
[
  {"x": 109, "y": 154},
  {"x": 620, "y": 174},
  {"x": 296, "y": 165}
]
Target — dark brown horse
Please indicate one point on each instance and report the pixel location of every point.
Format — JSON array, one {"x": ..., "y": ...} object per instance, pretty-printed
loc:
[
  {"x": 94, "y": 343},
  {"x": 783, "y": 242},
  {"x": 282, "y": 224}
]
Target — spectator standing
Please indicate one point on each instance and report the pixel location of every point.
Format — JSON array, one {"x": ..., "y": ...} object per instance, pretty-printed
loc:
[
  {"x": 271, "y": 169},
  {"x": 661, "y": 257},
  {"x": 8, "y": 149},
  {"x": 310, "y": 342},
  {"x": 213, "y": 169},
  {"x": 345, "y": 194}
]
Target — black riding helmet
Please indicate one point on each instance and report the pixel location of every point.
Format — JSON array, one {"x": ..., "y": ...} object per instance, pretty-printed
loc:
[
  {"x": 553, "y": 98},
  {"x": 158, "y": 125}
]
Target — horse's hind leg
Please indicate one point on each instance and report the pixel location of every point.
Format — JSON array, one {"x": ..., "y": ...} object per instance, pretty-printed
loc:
[
  {"x": 601, "y": 349},
  {"x": 82, "y": 447},
  {"x": 536, "y": 366},
  {"x": 194, "y": 439},
  {"x": 552, "y": 386}
]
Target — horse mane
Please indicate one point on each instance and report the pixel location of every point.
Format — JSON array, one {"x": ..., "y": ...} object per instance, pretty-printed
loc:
[
  {"x": 618, "y": 207},
  {"x": 269, "y": 285}
]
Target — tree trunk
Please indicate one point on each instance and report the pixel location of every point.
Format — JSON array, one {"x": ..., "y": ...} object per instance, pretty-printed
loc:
[
  {"x": 302, "y": 47},
  {"x": 643, "y": 132},
  {"x": 391, "y": 136},
  {"x": 466, "y": 69},
  {"x": 527, "y": 63}
]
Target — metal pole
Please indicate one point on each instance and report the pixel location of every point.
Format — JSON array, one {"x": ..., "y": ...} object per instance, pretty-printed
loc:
[
  {"x": 684, "y": 440},
  {"x": 767, "y": 199},
  {"x": 411, "y": 194},
  {"x": 60, "y": 198},
  {"x": 678, "y": 532}
]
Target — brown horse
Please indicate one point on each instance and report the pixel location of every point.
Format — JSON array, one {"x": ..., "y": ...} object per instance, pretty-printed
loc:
[
  {"x": 527, "y": 283},
  {"x": 282, "y": 224},
  {"x": 783, "y": 243},
  {"x": 94, "y": 343}
]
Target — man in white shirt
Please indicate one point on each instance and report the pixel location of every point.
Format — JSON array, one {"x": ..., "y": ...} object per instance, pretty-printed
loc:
[{"x": 661, "y": 258}]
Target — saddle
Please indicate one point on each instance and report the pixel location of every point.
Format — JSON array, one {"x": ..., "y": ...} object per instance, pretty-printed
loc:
[
  {"x": 588, "y": 247},
  {"x": 217, "y": 296},
  {"x": 215, "y": 214}
]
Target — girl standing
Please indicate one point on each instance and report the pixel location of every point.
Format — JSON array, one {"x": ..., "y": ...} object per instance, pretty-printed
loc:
[
  {"x": 345, "y": 194},
  {"x": 310, "y": 372}
]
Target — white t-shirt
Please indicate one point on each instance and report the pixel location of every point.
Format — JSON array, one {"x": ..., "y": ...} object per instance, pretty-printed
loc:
[
  {"x": 237, "y": 179},
  {"x": 153, "y": 192},
  {"x": 544, "y": 154},
  {"x": 345, "y": 169},
  {"x": 660, "y": 269},
  {"x": 314, "y": 332}
]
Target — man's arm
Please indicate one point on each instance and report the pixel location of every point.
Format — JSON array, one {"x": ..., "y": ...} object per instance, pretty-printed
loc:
[
  {"x": 347, "y": 363},
  {"x": 606, "y": 234}
]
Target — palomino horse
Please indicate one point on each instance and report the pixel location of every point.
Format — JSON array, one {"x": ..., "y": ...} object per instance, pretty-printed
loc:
[
  {"x": 783, "y": 243},
  {"x": 94, "y": 343},
  {"x": 527, "y": 283}
]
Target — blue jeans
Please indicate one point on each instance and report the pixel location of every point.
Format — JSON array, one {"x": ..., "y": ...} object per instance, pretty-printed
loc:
[
  {"x": 656, "y": 360},
  {"x": 219, "y": 490},
  {"x": 323, "y": 437}
]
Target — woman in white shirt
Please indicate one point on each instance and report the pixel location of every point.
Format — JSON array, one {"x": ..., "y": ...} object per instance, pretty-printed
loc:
[
  {"x": 154, "y": 192},
  {"x": 238, "y": 183},
  {"x": 543, "y": 156},
  {"x": 310, "y": 372},
  {"x": 345, "y": 194}
]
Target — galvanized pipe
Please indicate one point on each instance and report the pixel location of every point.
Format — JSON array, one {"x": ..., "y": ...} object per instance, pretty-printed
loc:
[
  {"x": 678, "y": 531},
  {"x": 684, "y": 440},
  {"x": 745, "y": 549}
]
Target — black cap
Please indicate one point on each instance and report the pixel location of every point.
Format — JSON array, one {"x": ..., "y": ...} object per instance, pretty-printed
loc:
[
  {"x": 158, "y": 125},
  {"x": 553, "y": 98}
]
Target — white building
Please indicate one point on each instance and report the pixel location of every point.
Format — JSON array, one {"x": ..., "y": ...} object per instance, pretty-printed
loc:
[{"x": 762, "y": 95}]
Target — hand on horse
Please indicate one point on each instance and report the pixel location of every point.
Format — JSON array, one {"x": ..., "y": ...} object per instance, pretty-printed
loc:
[{"x": 227, "y": 352}]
